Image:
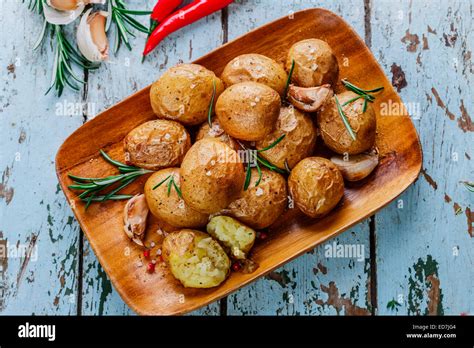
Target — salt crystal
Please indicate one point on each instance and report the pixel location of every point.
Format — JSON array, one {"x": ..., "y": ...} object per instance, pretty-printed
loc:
[{"x": 259, "y": 192}]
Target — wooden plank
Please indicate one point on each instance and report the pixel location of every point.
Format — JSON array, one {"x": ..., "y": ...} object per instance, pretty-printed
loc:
[
  {"x": 39, "y": 274},
  {"x": 314, "y": 283},
  {"x": 424, "y": 241},
  {"x": 119, "y": 78}
]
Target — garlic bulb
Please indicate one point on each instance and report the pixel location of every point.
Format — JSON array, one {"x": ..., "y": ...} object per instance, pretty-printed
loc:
[
  {"x": 356, "y": 167},
  {"x": 71, "y": 5},
  {"x": 91, "y": 38},
  {"x": 135, "y": 214}
]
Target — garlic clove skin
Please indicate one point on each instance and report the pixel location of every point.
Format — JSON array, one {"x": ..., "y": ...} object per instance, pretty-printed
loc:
[
  {"x": 71, "y": 5},
  {"x": 57, "y": 17},
  {"x": 356, "y": 167},
  {"x": 309, "y": 99},
  {"x": 91, "y": 37},
  {"x": 135, "y": 214}
]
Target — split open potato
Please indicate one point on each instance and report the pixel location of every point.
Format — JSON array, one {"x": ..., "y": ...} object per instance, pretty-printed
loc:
[
  {"x": 236, "y": 238},
  {"x": 195, "y": 259}
]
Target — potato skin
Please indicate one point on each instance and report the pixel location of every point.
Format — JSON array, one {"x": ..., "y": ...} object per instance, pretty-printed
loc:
[
  {"x": 315, "y": 63},
  {"x": 299, "y": 141},
  {"x": 236, "y": 238},
  {"x": 212, "y": 175},
  {"x": 257, "y": 68},
  {"x": 157, "y": 144},
  {"x": 248, "y": 110},
  {"x": 316, "y": 186},
  {"x": 216, "y": 131},
  {"x": 335, "y": 134},
  {"x": 171, "y": 208},
  {"x": 260, "y": 206},
  {"x": 195, "y": 259},
  {"x": 183, "y": 93}
]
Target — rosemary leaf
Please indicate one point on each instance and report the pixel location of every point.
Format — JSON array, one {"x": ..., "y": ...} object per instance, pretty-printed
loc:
[
  {"x": 273, "y": 144},
  {"x": 209, "y": 113},
  {"x": 344, "y": 119},
  {"x": 248, "y": 175},
  {"x": 161, "y": 182},
  {"x": 288, "y": 81}
]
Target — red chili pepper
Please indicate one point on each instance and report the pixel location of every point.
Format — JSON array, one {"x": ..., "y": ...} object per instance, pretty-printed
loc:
[
  {"x": 187, "y": 15},
  {"x": 163, "y": 9},
  {"x": 150, "y": 268},
  {"x": 146, "y": 253}
]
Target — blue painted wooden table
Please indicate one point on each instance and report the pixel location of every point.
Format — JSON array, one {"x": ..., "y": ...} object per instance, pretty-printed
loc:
[{"x": 416, "y": 256}]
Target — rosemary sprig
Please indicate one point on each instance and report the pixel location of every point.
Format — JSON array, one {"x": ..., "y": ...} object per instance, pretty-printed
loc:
[
  {"x": 124, "y": 22},
  {"x": 363, "y": 93},
  {"x": 288, "y": 80},
  {"x": 92, "y": 187},
  {"x": 344, "y": 119},
  {"x": 209, "y": 113},
  {"x": 171, "y": 184},
  {"x": 260, "y": 161},
  {"x": 62, "y": 69}
]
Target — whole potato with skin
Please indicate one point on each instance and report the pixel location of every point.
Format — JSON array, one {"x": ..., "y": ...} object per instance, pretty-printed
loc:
[
  {"x": 315, "y": 63},
  {"x": 156, "y": 144},
  {"x": 248, "y": 110},
  {"x": 195, "y": 259},
  {"x": 316, "y": 186},
  {"x": 171, "y": 208},
  {"x": 260, "y": 206},
  {"x": 212, "y": 175},
  {"x": 257, "y": 68},
  {"x": 299, "y": 141},
  {"x": 216, "y": 131},
  {"x": 335, "y": 134},
  {"x": 184, "y": 92}
]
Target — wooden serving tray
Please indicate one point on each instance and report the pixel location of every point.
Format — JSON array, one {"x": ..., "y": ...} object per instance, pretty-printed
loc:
[{"x": 159, "y": 293}]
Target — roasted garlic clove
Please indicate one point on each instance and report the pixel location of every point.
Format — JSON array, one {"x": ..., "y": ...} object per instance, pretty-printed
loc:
[
  {"x": 91, "y": 37},
  {"x": 58, "y": 17},
  {"x": 70, "y": 5},
  {"x": 356, "y": 167},
  {"x": 135, "y": 215},
  {"x": 309, "y": 99}
]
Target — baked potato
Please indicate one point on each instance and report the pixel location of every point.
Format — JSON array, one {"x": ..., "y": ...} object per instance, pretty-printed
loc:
[
  {"x": 260, "y": 206},
  {"x": 257, "y": 68},
  {"x": 166, "y": 204},
  {"x": 335, "y": 134},
  {"x": 156, "y": 144},
  {"x": 248, "y": 110},
  {"x": 316, "y": 186},
  {"x": 315, "y": 63},
  {"x": 184, "y": 93},
  {"x": 195, "y": 259},
  {"x": 216, "y": 131},
  {"x": 212, "y": 175},
  {"x": 237, "y": 238},
  {"x": 299, "y": 141}
]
